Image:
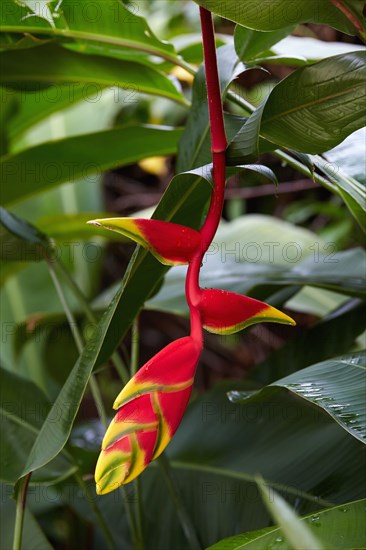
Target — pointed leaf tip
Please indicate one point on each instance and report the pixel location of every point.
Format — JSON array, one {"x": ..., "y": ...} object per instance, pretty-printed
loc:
[
  {"x": 170, "y": 243},
  {"x": 226, "y": 312}
]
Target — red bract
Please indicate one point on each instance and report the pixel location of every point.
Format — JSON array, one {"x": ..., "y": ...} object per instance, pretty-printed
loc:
[
  {"x": 226, "y": 312},
  {"x": 170, "y": 243},
  {"x": 150, "y": 408}
]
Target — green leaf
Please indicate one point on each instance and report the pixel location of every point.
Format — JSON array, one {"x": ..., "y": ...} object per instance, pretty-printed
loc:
[
  {"x": 298, "y": 534},
  {"x": 335, "y": 385},
  {"x": 31, "y": 107},
  {"x": 349, "y": 157},
  {"x": 52, "y": 163},
  {"x": 339, "y": 527},
  {"x": 23, "y": 409},
  {"x": 22, "y": 229},
  {"x": 312, "y": 48},
  {"x": 280, "y": 13},
  {"x": 245, "y": 147},
  {"x": 21, "y": 241},
  {"x": 106, "y": 27},
  {"x": 250, "y": 43},
  {"x": 312, "y": 110},
  {"x": 319, "y": 105},
  {"x": 334, "y": 335},
  {"x": 349, "y": 189},
  {"x": 36, "y": 68}
]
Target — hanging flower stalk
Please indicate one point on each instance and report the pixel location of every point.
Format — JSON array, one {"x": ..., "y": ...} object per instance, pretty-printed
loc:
[{"x": 150, "y": 407}]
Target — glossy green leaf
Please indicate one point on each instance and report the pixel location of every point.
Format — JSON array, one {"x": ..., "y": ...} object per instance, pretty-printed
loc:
[
  {"x": 21, "y": 241},
  {"x": 23, "y": 410},
  {"x": 31, "y": 107},
  {"x": 312, "y": 48},
  {"x": 339, "y": 527},
  {"x": 352, "y": 191},
  {"x": 326, "y": 100},
  {"x": 56, "y": 65},
  {"x": 22, "y": 229},
  {"x": 336, "y": 386},
  {"x": 250, "y": 43},
  {"x": 333, "y": 335},
  {"x": 282, "y": 13},
  {"x": 312, "y": 110},
  {"x": 107, "y": 27},
  {"x": 349, "y": 157},
  {"x": 297, "y": 533},
  {"x": 52, "y": 163}
]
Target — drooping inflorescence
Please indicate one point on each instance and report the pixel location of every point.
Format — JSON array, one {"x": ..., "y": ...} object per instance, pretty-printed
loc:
[{"x": 151, "y": 405}]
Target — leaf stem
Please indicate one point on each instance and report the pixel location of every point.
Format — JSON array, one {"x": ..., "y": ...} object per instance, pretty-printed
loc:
[
  {"x": 185, "y": 520},
  {"x": 101, "y": 521},
  {"x": 115, "y": 358},
  {"x": 20, "y": 511},
  {"x": 94, "y": 388}
]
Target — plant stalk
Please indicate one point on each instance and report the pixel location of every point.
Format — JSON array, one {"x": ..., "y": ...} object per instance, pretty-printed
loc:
[
  {"x": 101, "y": 521},
  {"x": 184, "y": 518},
  {"x": 94, "y": 388},
  {"x": 20, "y": 512},
  {"x": 115, "y": 358}
]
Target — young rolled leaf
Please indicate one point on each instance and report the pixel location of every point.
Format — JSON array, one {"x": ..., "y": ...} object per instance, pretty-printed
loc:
[
  {"x": 224, "y": 312},
  {"x": 170, "y": 243},
  {"x": 150, "y": 408}
]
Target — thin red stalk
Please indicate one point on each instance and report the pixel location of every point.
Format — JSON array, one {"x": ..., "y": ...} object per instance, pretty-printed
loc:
[{"x": 218, "y": 148}]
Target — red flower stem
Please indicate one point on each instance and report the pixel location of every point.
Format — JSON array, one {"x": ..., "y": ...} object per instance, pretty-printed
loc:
[{"x": 218, "y": 148}]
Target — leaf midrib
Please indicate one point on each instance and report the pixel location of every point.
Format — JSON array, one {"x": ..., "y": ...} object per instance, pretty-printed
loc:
[
  {"x": 310, "y": 104},
  {"x": 94, "y": 38},
  {"x": 21, "y": 422}
]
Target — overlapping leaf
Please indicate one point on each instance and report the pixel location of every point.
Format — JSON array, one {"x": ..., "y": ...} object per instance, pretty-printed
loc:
[
  {"x": 106, "y": 27},
  {"x": 269, "y": 16},
  {"x": 52, "y": 163},
  {"x": 312, "y": 110},
  {"x": 336, "y": 385},
  {"x": 338, "y": 526},
  {"x": 37, "y": 68}
]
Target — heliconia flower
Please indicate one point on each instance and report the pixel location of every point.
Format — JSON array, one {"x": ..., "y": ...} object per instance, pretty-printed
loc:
[
  {"x": 150, "y": 408},
  {"x": 224, "y": 312},
  {"x": 170, "y": 243}
]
